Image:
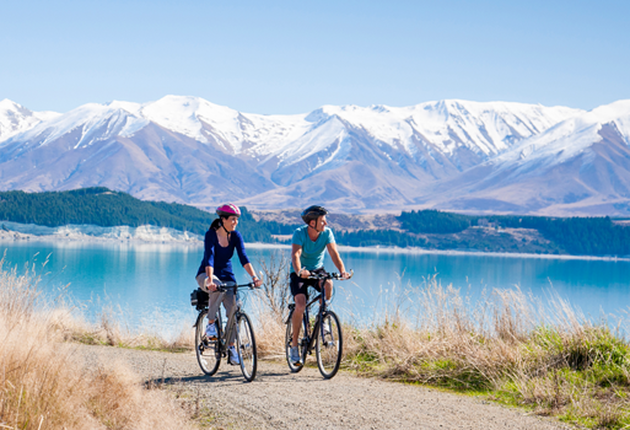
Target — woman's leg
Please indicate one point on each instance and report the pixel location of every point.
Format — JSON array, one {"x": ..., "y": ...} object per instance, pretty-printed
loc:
[
  {"x": 229, "y": 303},
  {"x": 214, "y": 297}
]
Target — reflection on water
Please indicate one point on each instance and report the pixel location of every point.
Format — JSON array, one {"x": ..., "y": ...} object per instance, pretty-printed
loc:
[{"x": 151, "y": 283}]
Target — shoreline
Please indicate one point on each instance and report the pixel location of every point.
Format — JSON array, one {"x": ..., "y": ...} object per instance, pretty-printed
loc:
[{"x": 149, "y": 235}]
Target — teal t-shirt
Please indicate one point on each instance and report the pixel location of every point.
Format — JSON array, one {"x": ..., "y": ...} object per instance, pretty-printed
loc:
[{"x": 312, "y": 252}]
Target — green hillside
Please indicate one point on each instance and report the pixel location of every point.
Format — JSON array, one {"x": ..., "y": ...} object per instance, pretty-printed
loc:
[
  {"x": 430, "y": 229},
  {"x": 103, "y": 207}
]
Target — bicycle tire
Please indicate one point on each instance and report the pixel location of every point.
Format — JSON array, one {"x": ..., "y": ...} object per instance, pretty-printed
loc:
[
  {"x": 288, "y": 339},
  {"x": 207, "y": 351},
  {"x": 329, "y": 348},
  {"x": 246, "y": 343}
]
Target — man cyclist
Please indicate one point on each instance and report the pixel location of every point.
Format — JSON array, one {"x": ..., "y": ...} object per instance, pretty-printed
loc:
[{"x": 309, "y": 244}]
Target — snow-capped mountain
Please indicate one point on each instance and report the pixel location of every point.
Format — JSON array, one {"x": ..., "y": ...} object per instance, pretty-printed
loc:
[
  {"x": 15, "y": 119},
  {"x": 579, "y": 166},
  {"x": 449, "y": 154}
]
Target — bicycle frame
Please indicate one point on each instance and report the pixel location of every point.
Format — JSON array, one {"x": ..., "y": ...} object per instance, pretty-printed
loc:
[
  {"x": 310, "y": 335},
  {"x": 230, "y": 325},
  {"x": 238, "y": 331}
]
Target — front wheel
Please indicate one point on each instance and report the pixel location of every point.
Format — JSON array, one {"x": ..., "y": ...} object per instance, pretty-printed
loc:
[
  {"x": 208, "y": 352},
  {"x": 329, "y": 346},
  {"x": 246, "y": 347}
]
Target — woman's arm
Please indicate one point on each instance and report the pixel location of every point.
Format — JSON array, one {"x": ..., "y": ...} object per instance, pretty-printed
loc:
[
  {"x": 250, "y": 270},
  {"x": 239, "y": 244},
  {"x": 209, "y": 244}
]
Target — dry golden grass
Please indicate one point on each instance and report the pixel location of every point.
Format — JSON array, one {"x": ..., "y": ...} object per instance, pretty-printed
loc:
[
  {"x": 507, "y": 345},
  {"x": 43, "y": 386}
]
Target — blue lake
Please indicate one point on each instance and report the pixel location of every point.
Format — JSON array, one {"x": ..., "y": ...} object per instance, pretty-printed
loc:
[{"x": 149, "y": 284}]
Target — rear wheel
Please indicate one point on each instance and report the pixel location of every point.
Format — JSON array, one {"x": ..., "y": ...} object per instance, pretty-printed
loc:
[
  {"x": 329, "y": 346},
  {"x": 287, "y": 343},
  {"x": 208, "y": 353},
  {"x": 246, "y": 347}
]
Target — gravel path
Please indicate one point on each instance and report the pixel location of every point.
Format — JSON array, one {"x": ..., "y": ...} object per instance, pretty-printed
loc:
[{"x": 278, "y": 399}]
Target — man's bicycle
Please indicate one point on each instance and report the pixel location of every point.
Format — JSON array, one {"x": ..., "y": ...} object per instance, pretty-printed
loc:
[
  {"x": 325, "y": 336},
  {"x": 209, "y": 352}
]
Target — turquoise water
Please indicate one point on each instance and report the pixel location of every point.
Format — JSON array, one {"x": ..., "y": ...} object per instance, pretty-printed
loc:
[{"x": 149, "y": 284}]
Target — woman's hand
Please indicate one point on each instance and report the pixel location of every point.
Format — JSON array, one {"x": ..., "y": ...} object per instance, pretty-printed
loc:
[{"x": 210, "y": 285}]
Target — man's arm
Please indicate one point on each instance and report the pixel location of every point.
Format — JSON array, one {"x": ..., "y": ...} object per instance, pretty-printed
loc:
[
  {"x": 296, "y": 252},
  {"x": 337, "y": 261}
]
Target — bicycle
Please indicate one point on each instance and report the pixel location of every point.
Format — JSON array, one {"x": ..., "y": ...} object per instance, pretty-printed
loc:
[
  {"x": 326, "y": 338},
  {"x": 209, "y": 352}
]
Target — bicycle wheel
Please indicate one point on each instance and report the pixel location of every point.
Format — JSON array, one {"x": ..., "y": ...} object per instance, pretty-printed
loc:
[
  {"x": 208, "y": 352},
  {"x": 329, "y": 348},
  {"x": 287, "y": 346},
  {"x": 246, "y": 347}
]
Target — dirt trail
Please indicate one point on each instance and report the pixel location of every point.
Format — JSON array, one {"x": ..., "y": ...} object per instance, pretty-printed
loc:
[{"x": 278, "y": 399}]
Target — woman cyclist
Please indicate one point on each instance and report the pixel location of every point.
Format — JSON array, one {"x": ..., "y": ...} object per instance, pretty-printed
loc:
[{"x": 219, "y": 244}]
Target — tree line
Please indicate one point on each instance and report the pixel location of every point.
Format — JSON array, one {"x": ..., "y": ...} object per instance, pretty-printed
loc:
[
  {"x": 100, "y": 206},
  {"x": 598, "y": 236},
  {"x": 106, "y": 208}
]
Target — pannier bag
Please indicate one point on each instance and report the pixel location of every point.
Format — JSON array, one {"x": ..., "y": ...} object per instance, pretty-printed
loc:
[{"x": 199, "y": 299}]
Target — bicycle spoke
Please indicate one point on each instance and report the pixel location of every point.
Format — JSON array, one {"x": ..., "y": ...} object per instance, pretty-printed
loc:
[
  {"x": 207, "y": 351},
  {"x": 246, "y": 347},
  {"x": 329, "y": 345}
]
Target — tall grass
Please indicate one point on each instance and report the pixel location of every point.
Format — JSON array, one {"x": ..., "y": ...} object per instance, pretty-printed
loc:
[
  {"x": 506, "y": 344},
  {"x": 43, "y": 385}
]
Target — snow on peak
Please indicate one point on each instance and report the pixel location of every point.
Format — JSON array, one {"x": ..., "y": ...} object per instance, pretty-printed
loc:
[
  {"x": 15, "y": 119},
  {"x": 570, "y": 137},
  {"x": 485, "y": 128},
  {"x": 489, "y": 128},
  {"x": 94, "y": 122},
  {"x": 196, "y": 118}
]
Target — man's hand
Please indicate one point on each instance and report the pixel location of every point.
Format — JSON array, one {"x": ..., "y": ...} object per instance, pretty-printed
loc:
[
  {"x": 303, "y": 273},
  {"x": 257, "y": 282},
  {"x": 345, "y": 275}
]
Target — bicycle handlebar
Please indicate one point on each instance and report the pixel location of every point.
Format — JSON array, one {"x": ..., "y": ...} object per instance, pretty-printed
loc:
[
  {"x": 227, "y": 286},
  {"x": 332, "y": 275}
]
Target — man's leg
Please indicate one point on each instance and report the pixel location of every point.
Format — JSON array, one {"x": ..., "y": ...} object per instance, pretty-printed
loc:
[
  {"x": 300, "y": 305},
  {"x": 328, "y": 288}
]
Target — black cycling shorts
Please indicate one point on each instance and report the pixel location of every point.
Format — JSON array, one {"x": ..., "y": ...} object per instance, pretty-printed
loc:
[{"x": 300, "y": 285}]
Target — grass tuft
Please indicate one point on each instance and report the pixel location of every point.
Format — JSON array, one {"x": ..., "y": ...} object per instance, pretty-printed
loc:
[{"x": 44, "y": 386}]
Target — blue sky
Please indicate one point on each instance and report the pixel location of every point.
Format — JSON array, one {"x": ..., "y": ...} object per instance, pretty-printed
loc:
[{"x": 284, "y": 57}]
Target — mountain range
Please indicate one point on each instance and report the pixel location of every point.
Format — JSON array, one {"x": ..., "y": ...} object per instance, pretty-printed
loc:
[{"x": 494, "y": 157}]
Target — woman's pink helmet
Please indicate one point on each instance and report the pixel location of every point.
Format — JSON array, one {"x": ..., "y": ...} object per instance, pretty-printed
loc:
[{"x": 227, "y": 210}]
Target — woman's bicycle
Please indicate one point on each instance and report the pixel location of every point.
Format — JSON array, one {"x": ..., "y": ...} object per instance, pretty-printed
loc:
[
  {"x": 209, "y": 352},
  {"x": 326, "y": 336}
]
